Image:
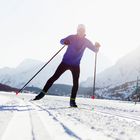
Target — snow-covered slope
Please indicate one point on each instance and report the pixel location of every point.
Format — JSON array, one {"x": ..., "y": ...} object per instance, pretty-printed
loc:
[
  {"x": 18, "y": 76},
  {"x": 125, "y": 70},
  {"x": 52, "y": 119}
]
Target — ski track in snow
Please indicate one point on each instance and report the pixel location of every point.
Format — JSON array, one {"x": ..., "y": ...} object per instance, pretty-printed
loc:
[{"x": 52, "y": 119}]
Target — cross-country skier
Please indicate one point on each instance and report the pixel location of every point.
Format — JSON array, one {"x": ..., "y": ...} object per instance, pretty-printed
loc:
[{"x": 71, "y": 61}]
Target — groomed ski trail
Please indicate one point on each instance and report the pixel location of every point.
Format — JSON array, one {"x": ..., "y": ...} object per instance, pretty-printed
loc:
[
  {"x": 51, "y": 118},
  {"x": 31, "y": 121},
  {"x": 25, "y": 125}
]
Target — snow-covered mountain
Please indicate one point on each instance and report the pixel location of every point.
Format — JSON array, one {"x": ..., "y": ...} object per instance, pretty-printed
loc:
[
  {"x": 126, "y": 69},
  {"x": 18, "y": 76}
]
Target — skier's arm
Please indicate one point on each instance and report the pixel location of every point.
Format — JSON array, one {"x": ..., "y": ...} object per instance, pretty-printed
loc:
[
  {"x": 92, "y": 47},
  {"x": 65, "y": 41}
]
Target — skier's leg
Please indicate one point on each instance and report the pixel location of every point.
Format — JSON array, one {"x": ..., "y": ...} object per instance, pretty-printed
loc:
[
  {"x": 60, "y": 70},
  {"x": 75, "y": 74}
]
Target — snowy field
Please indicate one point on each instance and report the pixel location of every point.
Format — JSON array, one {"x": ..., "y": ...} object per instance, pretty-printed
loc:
[{"x": 52, "y": 119}]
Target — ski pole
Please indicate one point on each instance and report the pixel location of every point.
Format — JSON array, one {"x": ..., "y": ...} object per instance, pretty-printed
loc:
[
  {"x": 39, "y": 71},
  {"x": 94, "y": 82}
]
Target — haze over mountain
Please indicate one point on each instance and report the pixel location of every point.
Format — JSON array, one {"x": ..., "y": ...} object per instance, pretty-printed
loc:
[
  {"x": 126, "y": 69},
  {"x": 18, "y": 76}
]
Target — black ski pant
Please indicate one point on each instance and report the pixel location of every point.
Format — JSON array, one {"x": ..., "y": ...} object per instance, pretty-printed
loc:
[{"x": 75, "y": 70}]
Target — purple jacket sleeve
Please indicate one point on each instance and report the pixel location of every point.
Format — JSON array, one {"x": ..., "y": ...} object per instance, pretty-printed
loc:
[
  {"x": 91, "y": 46},
  {"x": 64, "y": 39}
]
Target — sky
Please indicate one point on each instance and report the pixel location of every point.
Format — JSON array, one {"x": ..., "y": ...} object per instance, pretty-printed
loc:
[{"x": 33, "y": 28}]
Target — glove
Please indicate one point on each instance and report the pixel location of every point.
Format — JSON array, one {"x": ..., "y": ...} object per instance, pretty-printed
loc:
[
  {"x": 66, "y": 42},
  {"x": 97, "y": 45}
]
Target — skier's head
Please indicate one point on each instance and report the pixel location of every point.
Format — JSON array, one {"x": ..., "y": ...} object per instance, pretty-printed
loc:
[{"x": 81, "y": 30}]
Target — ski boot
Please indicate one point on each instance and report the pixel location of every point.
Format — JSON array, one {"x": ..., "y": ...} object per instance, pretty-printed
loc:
[
  {"x": 72, "y": 102},
  {"x": 40, "y": 95}
]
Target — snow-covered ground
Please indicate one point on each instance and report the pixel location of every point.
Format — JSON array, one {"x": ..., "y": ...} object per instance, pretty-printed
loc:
[{"x": 52, "y": 119}]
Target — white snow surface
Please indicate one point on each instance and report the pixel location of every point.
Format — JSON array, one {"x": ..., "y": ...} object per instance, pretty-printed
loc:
[{"x": 51, "y": 118}]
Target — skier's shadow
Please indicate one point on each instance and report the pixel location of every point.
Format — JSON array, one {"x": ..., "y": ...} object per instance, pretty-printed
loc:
[{"x": 15, "y": 108}]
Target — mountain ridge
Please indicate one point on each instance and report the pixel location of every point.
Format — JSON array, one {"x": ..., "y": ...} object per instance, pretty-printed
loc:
[
  {"x": 126, "y": 69},
  {"x": 18, "y": 76}
]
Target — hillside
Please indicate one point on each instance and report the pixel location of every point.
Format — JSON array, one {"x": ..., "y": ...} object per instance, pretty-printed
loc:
[
  {"x": 126, "y": 69},
  {"x": 7, "y": 88},
  {"x": 18, "y": 76},
  {"x": 118, "y": 81}
]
